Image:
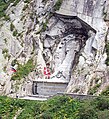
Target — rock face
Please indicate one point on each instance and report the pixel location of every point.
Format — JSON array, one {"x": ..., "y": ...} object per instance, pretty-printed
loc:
[
  {"x": 91, "y": 64},
  {"x": 67, "y": 45},
  {"x": 63, "y": 40}
]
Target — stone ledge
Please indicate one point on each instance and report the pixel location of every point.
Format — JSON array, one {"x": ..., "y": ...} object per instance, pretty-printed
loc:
[{"x": 53, "y": 80}]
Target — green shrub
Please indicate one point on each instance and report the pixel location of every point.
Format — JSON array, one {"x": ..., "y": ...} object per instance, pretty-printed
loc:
[
  {"x": 58, "y": 4},
  {"x": 16, "y": 2},
  {"x": 12, "y": 27},
  {"x": 103, "y": 114},
  {"x": 14, "y": 62},
  {"x": 107, "y": 51},
  {"x": 25, "y": 7},
  {"x": 4, "y": 68},
  {"x": 44, "y": 26},
  {"x": 93, "y": 108},
  {"x": 27, "y": 1},
  {"x": 87, "y": 113},
  {"x": 9, "y": 107},
  {"x": 6, "y": 17},
  {"x": 6, "y": 54},
  {"x": 5, "y": 50},
  {"x": 5, "y": 40},
  {"x": 76, "y": 90},
  {"x": 105, "y": 92},
  {"x": 23, "y": 70},
  {"x": 102, "y": 103},
  {"x": 94, "y": 89},
  {"x": 15, "y": 33},
  {"x": 58, "y": 107},
  {"x": 4, "y": 6}
]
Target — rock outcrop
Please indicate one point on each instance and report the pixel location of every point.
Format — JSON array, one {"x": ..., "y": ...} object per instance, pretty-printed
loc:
[
  {"x": 91, "y": 65},
  {"x": 67, "y": 44}
]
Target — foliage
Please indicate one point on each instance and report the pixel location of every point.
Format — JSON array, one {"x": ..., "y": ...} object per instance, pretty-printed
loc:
[
  {"x": 25, "y": 7},
  {"x": 6, "y": 54},
  {"x": 107, "y": 51},
  {"x": 27, "y": 1},
  {"x": 94, "y": 89},
  {"x": 9, "y": 107},
  {"x": 4, "y": 6},
  {"x": 44, "y": 25},
  {"x": 15, "y": 33},
  {"x": 92, "y": 109},
  {"x": 58, "y": 4},
  {"x": 5, "y": 40},
  {"x": 5, "y": 50},
  {"x": 76, "y": 90},
  {"x": 87, "y": 112},
  {"x": 14, "y": 62},
  {"x": 97, "y": 80},
  {"x": 101, "y": 103},
  {"x": 16, "y": 2},
  {"x": 23, "y": 70},
  {"x": 12, "y": 27},
  {"x": 45, "y": 1},
  {"x": 58, "y": 107},
  {"x": 103, "y": 114},
  {"x": 106, "y": 91},
  {"x": 6, "y": 17}
]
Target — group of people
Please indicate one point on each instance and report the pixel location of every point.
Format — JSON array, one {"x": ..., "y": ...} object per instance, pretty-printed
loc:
[{"x": 45, "y": 73}]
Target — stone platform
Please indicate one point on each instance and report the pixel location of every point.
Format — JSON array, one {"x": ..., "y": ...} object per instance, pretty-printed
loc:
[{"x": 49, "y": 87}]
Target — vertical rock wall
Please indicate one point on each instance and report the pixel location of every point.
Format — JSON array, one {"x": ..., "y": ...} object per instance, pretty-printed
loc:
[
  {"x": 68, "y": 47},
  {"x": 91, "y": 64}
]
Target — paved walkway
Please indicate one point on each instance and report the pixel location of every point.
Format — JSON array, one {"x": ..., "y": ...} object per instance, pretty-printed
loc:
[{"x": 34, "y": 98}]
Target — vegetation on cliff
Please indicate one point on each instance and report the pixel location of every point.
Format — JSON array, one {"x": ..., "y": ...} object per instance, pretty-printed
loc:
[
  {"x": 60, "y": 107},
  {"x": 105, "y": 91},
  {"x": 23, "y": 70},
  {"x": 58, "y": 5},
  {"x": 4, "y": 5}
]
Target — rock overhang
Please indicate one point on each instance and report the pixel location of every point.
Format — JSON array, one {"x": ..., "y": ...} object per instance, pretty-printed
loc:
[{"x": 74, "y": 24}]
